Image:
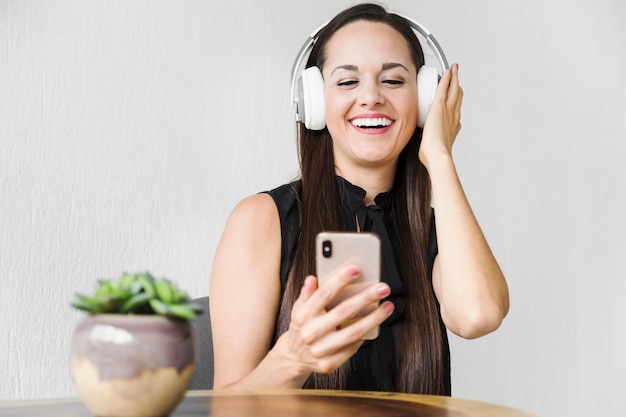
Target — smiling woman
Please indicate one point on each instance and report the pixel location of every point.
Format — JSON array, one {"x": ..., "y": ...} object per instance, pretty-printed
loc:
[{"x": 369, "y": 166}]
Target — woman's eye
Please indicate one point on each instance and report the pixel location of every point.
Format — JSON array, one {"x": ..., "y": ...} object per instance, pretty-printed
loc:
[
  {"x": 393, "y": 82},
  {"x": 347, "y": 83}
]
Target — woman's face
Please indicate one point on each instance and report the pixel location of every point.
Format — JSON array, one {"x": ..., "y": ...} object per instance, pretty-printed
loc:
[{"x": 371, "y": 94}]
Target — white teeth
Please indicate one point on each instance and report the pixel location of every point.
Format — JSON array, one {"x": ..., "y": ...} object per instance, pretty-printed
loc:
[{"x": 370, "y": 122}]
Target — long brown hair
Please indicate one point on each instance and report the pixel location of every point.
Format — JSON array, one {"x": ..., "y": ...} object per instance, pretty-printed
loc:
[{"x": 420, "y": 365}]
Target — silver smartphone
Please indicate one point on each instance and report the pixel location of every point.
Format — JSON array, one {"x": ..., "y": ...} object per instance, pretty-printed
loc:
[{"x": 335, "y": 249}]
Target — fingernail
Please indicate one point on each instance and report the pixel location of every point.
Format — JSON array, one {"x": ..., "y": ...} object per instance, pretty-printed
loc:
[
  {"x": 353, "y": 271},
  {"x": 383, "y": 289},
  {"x": 388, "y": 307}
]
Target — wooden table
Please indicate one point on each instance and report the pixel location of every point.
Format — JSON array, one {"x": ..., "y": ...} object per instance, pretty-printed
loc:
[{"x": 292, "y": 403}]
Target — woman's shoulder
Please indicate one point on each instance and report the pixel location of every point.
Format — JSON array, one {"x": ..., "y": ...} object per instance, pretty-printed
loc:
[
  {"x": 252, "y": 232},
  {"x": 267, "y": 206},
  {"x": 254, "y": 209}
]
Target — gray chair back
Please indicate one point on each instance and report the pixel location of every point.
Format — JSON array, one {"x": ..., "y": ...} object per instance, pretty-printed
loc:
[{"x": 203, "y": 375}]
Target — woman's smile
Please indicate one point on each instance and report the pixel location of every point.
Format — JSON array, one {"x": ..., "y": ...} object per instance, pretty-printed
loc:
[{"x": 371, "y": 124}]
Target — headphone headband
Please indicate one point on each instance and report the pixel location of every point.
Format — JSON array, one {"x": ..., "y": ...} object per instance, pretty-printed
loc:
[
  {"x": 305, "y": 50},
  {"x": 303, "y": 55}
]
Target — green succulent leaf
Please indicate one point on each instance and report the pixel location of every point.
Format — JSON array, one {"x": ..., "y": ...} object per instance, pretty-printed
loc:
[
  {"x": 105, "y": 287},
  {"x": 147, "y": 283},
  {"x": 138, "y": 294},
  {"x": 126, "y": 280},
  {"x": 164, "y": 290},
  {"x": 137, "y": 301},
  {"x": 159, "y": 306},
  {"x": 136, "y": 288},
  {"x": 182, "y": 311},
  {"x": 86, "y": 304},
  {"x": 177, "y": 296}
]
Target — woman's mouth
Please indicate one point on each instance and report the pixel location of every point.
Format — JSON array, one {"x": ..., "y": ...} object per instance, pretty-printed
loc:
[{"x": 371, "y": 122}]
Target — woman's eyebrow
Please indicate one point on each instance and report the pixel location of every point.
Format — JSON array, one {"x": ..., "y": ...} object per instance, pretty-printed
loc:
[
  {"x": 345, "y": 67},
  {"x": 385, "y": 67},
  {"x": 391, "y": 65}
]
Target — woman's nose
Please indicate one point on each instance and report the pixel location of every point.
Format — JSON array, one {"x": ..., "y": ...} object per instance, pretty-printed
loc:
[{"x": 370, "y": 94}]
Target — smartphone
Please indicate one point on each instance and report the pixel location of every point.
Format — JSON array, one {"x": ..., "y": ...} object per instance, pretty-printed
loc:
[{"x": 336, "y": 249}]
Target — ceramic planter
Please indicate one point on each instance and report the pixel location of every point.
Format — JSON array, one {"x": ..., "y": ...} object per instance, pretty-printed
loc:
[{"x": 139, "y": 366}]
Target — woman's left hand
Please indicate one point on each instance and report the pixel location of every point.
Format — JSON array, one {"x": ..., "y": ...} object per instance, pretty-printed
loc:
[{"x": 443, "y": 122}]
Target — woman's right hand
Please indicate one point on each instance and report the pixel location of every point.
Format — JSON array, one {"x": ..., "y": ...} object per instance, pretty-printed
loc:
[
  {"x": 245, "y": 300},
  {"x": 314, "y": 341}
]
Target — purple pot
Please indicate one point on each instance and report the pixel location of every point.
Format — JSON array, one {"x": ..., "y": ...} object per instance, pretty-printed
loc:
[{"x": 124, "y": 365}]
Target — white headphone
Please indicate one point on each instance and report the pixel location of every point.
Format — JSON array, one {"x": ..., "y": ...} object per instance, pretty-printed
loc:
[{"x": 307, "y": 85}]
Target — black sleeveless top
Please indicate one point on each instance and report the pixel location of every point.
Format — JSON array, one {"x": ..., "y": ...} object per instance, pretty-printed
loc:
[{"x": 373, "y": 367}]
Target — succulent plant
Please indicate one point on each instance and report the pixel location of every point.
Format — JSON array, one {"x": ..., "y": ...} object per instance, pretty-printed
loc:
[{"x": 139, "y": 294}]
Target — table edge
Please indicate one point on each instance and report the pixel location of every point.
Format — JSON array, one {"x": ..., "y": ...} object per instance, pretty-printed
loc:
[{"x": 451, "y": 403}]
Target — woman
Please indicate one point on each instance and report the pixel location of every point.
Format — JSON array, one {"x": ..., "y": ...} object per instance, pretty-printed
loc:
[{"x": 271, "y": 327}]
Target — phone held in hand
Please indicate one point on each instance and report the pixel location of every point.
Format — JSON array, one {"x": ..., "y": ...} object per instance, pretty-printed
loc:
[{"x": 336, "y": 249}]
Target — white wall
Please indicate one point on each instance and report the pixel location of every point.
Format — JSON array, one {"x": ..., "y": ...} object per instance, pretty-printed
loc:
[{"x": 128, "y": 130}]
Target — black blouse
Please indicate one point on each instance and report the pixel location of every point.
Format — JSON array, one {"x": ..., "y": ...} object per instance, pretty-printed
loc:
[{"x": 373, "y": 367}]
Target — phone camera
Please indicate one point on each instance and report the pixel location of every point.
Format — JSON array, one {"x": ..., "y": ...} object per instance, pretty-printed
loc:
[{"x": 327, "y": 248}]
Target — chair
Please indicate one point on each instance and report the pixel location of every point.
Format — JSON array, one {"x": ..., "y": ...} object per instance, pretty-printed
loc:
[{"x": 203, "y": 375}]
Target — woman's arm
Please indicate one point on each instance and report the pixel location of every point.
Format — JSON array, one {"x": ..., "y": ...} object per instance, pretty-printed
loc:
[
  {"x": 245, "y": 290},
  {"x": 467, "y": 280},
  {"x": 244, "y": 302}
]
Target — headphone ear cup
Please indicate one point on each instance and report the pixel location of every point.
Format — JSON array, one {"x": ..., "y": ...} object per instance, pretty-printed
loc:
[
  {"x": 427, "y": 80},
  {"x": 313, "y": 99}
]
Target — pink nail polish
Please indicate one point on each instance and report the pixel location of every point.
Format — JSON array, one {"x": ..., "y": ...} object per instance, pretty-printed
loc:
[
  {"x": 383, "y": 289},
  {"x": 353, "y": 271},
  {"x": 388, "y": 307}
]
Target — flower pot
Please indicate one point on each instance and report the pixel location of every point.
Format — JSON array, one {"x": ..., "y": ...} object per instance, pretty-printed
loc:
[{"x": 139, "y": 366}]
